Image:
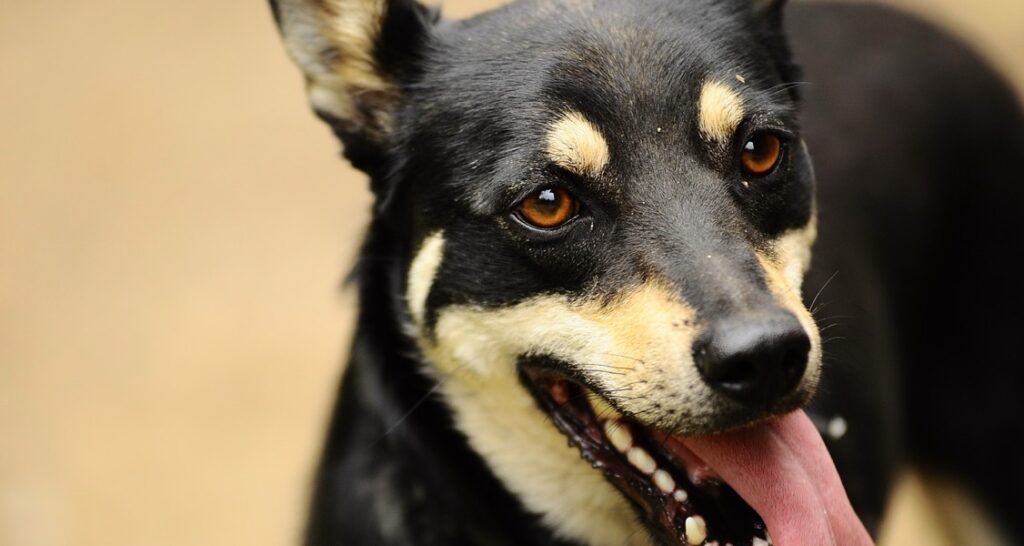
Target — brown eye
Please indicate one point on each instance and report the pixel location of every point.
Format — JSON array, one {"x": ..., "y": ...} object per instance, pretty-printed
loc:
[
  {"x": 548, "y": 208},
  {"x": 761, "y": 153}
]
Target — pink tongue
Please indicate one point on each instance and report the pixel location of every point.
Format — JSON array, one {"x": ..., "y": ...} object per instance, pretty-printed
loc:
[{"x": 783, "y": 471}]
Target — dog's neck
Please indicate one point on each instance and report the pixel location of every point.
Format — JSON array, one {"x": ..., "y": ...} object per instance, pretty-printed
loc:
[{"x": 394, "y": 469}]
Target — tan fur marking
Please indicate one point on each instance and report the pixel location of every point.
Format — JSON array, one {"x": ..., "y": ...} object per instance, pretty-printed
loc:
[
  {"x": 719, "y": 111},
  {"x": 784, "y": 269},
  {"x": 421, "y": 274},
  {"x": 575, "y": 144},
  {"x": 927, "y": 509},
  {"x": 630, "y": 346},
  {"x": 635, "y": 347},
  {"x": 966, "y": 519}
]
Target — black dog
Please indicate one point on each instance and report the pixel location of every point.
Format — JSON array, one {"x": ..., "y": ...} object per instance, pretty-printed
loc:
[{"x": 581, "y": 317}]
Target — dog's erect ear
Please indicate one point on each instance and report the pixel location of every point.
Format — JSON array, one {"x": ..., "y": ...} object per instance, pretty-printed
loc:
[
  {"x": 765, "y": 6},
  {"x": 769, "y": 12},
  {"x": 769, "y": 16},
  {"x": 353, "y": 52}
]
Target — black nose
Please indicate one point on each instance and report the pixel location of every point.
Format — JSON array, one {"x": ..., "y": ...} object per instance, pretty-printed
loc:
[{"x": 755, "y": 358}]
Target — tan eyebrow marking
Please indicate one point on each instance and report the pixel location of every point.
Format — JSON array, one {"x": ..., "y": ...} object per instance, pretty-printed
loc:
[
  {"x": 575, "y": 144},
  {"x": 719, "y": 111}
]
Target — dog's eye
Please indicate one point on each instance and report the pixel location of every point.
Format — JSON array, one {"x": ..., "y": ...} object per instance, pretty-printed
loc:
[
  {"x": 761, "y": 153},
  {"x": 547, "y": 208}
]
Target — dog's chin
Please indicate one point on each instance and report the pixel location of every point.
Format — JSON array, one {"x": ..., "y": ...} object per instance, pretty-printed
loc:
[{"x": 680, "y": 498}]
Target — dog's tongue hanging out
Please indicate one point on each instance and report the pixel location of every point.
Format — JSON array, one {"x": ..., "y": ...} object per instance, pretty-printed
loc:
[{"x": 783, "y": 471}]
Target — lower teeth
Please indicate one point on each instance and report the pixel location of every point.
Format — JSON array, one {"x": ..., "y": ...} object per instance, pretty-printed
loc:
[
  {"x": 696, "y": 530},
  {"x": 664, "y": 482},
  {"x": 621, "y": 438},
  {"x": 641, "y": 460}
]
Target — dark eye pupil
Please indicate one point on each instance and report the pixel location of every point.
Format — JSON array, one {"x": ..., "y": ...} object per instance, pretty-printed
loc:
[
  {"x": 759, "y": 147},
  {"x": 548, "y": 202}
]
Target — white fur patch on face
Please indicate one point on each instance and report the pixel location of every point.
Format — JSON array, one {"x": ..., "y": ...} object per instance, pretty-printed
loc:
[
  {"x": 421, "y": 275},
  {"x": 719, "y": 111},
  {"x": 575, "y": 144},
  {"x": 784, "y": 270},
  {"x": 637, "y": 346}
]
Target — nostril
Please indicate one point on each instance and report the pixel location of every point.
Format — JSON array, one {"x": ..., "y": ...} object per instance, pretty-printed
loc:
[
  {"x": 794, "y": 363},
  {"x": 737, "y": 372},
  {"x": 754, "y": 358},
  {"x": 794, "y": 358}
]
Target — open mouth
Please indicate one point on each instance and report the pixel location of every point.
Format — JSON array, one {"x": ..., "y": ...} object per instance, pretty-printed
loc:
[
  {"x": 678, "y": 494},
  {"x": 730, "y": 489}
]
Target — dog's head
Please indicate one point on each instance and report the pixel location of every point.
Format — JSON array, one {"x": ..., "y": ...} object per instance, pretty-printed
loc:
[{"x": 607, "y": 212}]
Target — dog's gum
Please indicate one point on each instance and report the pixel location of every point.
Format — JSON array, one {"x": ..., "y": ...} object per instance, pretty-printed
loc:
[{"x": 560, "y": 392}]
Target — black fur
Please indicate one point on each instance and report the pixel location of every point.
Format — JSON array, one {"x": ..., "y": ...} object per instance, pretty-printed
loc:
[{"x": 915, "y": 143}]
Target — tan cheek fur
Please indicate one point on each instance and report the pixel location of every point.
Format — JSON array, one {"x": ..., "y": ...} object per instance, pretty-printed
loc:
[
  {"x": 784, "y": 269},
  {"x": 575, "y": 144},
  {"x": 421, "y": 275},
  {"x": 719, "y": 112},
  {"x": 636, "y": 346}
]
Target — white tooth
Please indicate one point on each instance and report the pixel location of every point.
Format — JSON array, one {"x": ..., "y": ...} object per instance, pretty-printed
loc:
[
  {"x": 759, "y": 542},
  {"x": 619, "y": 435},
  {"x": 680, "y": 495},
  {"x": 642, "y": 460},
  {"x": 664, "y": 482},
  {"x": 602, "y": 409},
  {"x": 696, "y": 530}
]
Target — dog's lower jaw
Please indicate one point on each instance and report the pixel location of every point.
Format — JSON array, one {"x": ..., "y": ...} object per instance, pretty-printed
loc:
[{"x": 533, "y": 460}]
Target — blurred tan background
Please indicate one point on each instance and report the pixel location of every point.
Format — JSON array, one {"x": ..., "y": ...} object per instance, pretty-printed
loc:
[{"x": 174, "y": 225}]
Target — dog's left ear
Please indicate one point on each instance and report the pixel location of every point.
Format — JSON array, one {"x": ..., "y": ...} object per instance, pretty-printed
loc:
[
  {"x": 768, "y": 6},
  {"x": 769, "y": 17},
  {"x": 353, "y": 54}
]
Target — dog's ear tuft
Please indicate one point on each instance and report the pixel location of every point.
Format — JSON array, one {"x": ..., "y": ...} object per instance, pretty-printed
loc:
[{"x": 352, "y": 53}]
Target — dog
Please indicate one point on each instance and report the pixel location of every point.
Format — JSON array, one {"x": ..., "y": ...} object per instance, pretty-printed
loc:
[{"x": 588, "y": 309}]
